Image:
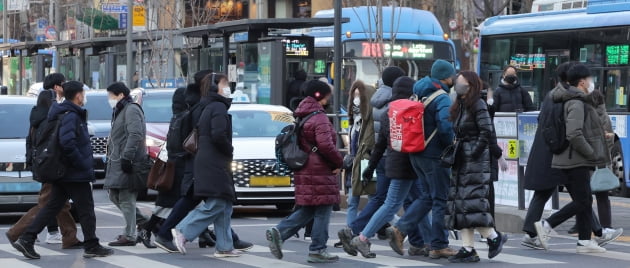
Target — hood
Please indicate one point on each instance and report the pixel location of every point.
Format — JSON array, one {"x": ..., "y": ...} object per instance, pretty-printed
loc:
[
  {"x": 66, "y": 106},
  {"x": 38, "y": 115},
  {"x": 192, "y": 94},
  {"x": 509, "y": 86},
  {"x": 426, "y": 86},
  {"x": 307, "y": 106},
  {"x": 179, "y": 100},
  {"x": 561, "y": 94},
  {"x": 300, "y": 75},
  {"x": 382, "y": 97},
  {"x": 215, "y": 97},
  {"x": 365, "y": 107}
]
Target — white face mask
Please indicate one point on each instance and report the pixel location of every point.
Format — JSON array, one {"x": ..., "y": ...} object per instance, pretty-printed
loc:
[
  {"x": 112, "y": 102},
  {"x": 356, "y": 101},
  {"x": 84, "y": 99},
  {"x": 226, "y": 92},
  {"x": 591, "y": 86}
]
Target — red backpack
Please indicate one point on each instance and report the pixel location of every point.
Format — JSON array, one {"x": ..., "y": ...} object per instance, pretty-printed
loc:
[{"x": 406, "y": 124}]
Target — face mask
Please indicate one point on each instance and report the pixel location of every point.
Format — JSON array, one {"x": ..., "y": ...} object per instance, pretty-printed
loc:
[
  {"x": 356, "y": 101},
  {"x": 112, "y": 102},
  {"x": 226, "y": 92},
  {"x": 84, "y": 99},
  {"x": 461, "y": 89},
  {"x": 591, "y": 86},
  {"x": 510, "y": 79}
]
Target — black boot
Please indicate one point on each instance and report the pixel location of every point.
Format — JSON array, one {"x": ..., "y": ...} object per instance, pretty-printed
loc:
[
  {"x": 206, "y": 240},
  {"x": 144, "y": 237}
]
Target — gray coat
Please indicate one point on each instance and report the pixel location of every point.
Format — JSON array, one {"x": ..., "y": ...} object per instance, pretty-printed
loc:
[
  {"x": 584, "y": 130},
  {"x": 380, "y": 104},
  {"x": 126, "y": 141}
]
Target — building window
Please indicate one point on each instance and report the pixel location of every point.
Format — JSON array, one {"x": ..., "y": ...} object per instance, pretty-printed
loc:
[{"x": 302, "y": 9}]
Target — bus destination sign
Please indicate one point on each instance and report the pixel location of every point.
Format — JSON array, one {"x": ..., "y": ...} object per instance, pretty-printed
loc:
[
  {"x": 299, "y": 46},
  {"x": 617, "y": 55},
  {"x": 408, "y": 50}
]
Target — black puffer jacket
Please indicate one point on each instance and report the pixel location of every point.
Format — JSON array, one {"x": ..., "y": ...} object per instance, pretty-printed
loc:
[
  {"x": 509, "y": 98},
  {"x": 468, "y": 204}
]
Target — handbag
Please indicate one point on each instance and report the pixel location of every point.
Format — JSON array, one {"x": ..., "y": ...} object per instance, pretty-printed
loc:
[
  {"x": 447, "y": 159},
  {"x": 190, "y": 143},
  {"x": 161, "y": 176},
  {"x": 603, "y": 179}
]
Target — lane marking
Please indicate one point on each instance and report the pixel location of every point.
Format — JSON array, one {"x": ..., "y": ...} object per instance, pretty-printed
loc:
[
  {"x": 261, "y": 262},
  {"x": 133, "y": 261},
  {"x": 624, "y": 256},
  {"x": 515, "y": 259},
  {"x": 389, "y": 261},
  {"x": 41, "y": 250},
  {"x": 13, "y": 263}
]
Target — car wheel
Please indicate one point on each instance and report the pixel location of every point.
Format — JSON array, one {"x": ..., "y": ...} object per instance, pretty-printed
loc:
[
  {"x": 618, "y": 169},
  {"x": 285, "y": 206}
]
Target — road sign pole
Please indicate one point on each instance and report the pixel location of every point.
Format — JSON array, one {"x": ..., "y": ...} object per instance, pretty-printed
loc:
[{"x": 130, "y": 68}]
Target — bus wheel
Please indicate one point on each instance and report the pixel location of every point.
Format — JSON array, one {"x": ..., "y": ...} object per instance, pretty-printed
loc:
[{"x": 618, "y": 169}]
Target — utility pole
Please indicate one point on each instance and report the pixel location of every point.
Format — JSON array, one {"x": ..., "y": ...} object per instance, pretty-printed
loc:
[
  {"x": 5, "y": 22},
  {"x": 338, "y": 63},
  {"x": 130, "y": 68}
]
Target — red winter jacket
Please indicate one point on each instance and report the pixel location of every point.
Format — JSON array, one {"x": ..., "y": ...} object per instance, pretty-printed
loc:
[{"x": 315, "y": 184}]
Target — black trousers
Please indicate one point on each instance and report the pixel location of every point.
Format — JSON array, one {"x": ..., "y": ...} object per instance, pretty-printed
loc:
[
  {"x": 81, "y": 195},
  {"x": 581, "y": 205}
]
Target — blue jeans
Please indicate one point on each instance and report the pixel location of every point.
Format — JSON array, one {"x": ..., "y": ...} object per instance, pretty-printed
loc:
[
  {"x": 417, "y": 235},
  {"x": 375, "y": 201},
  {"x": 319, "y": 235},
  {"x": 213, "y": 210},
  {"x": 434, "y": 187},
  {"x": 353, "y": 207},
  {"x": 396, "y": 194}
]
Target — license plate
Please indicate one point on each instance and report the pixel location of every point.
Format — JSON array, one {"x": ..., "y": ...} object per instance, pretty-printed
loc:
[{"x": 269, "y": 181}]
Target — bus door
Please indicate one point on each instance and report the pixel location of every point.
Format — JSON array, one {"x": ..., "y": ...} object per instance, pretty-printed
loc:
[{"x": 614, "y": 85}]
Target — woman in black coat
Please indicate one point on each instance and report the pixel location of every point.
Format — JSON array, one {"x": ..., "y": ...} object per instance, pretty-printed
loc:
[{"x": 468, "y": 205}]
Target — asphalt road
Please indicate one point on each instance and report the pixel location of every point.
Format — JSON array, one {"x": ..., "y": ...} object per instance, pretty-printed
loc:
[{"x": 251, "y": 222}]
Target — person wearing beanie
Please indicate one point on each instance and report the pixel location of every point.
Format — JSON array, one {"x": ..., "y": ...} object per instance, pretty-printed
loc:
[
  {"x": 401, "y": 182},
  {"x": 434, "y": 178},
  {"x": 316, "y": 189},
  {"x": 510, "y": 96}
]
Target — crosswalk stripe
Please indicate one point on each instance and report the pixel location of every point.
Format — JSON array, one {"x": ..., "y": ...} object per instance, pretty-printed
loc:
[
  {"x": 389, "y": 261},
  {"x": 133, "y": 261},
  {"x": 261, "y": 262},
  {"x": 13, "y": 263},
  {"x": 516, "y": 259},
  {"x": 624, "y": 256},
  {"x": 138, "y": 249},
  {"x": 41, "y": 250}
]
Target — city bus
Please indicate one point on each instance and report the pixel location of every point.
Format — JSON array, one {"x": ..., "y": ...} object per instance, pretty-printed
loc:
[
  {"x": 418, "y": 41},
  {"x": 597, "y": 35}
]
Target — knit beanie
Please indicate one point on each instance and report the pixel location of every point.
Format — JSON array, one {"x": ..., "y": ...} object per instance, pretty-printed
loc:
[
  {"x": 316, "y": 89},
  {"x": 403, "y": 88},
  {"x": 442, "y": 69},
  {"x": 390, "y": 74}
]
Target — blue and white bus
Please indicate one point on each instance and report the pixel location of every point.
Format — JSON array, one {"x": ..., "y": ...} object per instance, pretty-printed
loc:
[
  {"x": 597, "y": 35},
  {"x": 418, "y": 41}
]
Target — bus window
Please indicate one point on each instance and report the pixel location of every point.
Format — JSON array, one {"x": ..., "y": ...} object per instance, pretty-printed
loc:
[{"x": 615, "y": 86}]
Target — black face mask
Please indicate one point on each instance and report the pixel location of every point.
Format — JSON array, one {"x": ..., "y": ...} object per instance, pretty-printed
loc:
[{"x": 510, "y": 79}]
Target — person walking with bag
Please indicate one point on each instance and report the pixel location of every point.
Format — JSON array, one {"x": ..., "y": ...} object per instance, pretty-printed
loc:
[
  {"x": 316, "y": 184},
  {"x": 126, "y": 155},
  {"x": 468, "y": 206}
]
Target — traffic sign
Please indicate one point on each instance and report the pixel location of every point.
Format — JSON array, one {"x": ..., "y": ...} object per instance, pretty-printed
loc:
[
  {"x": 139, "y": 16},
  {"x": 476, "y": 43},
  {"x": 122, "y": 21},
  {"x": 452, "y": 24},
  {"x": 51, "y": 33},
  {"x": 114, "y": 8},
  {"x": 512, "y": 152}
]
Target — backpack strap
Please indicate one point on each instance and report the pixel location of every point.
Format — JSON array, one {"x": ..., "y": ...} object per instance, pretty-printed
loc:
[
  {"x": 426, "y": 101},
  {"x": 301, "y": 123}
]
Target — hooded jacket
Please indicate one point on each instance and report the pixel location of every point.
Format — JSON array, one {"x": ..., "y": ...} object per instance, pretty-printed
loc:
[
  {"x": 365, "y": 146},
  {"x": 584, "y": 130},
  {"x": 512, "y": 97},
  {"x": 315, "y": 183},
  {"x": 380, "y": 101},
  {"x": 75, "y": 141},
  {"x": 436, "y": 115}
]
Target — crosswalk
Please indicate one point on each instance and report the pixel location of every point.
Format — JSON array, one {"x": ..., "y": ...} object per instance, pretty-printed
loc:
[{"x": 259, "y": 256}]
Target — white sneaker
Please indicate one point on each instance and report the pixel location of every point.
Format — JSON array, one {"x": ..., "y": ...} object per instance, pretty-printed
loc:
[
  {"x": 227, "y": 254},
  {"x": 608, "y": 235},
  {"x": 589, "y": 246},
  {"x": 531, "y": 242},
  {"x": 543, "y": 230},
  {"x": 53, "y": 238}
]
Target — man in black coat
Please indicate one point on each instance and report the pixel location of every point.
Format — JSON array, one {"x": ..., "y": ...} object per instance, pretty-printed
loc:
[{"x": 77, "y": 150}]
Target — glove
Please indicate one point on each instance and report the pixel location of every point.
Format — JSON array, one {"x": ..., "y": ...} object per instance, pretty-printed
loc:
[
  {"x": 126, "y": 165},
  {"x": 367, "y": 175},
  {"x": 503, "y": 165}
]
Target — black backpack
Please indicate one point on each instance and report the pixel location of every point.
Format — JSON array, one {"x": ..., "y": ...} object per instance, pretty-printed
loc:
[
  {"x": 553, "y": 128},
  {"x": 288, "y": 151},
  {"x": 179, "y": 128},
  {"x": 48, "y": 159}
]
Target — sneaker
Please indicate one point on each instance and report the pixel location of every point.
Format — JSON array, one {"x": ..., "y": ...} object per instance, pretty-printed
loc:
[
  {"x": 608, "y": 235},
  {"x": 396, "y": 240},
  {"x": 322, "y": 257},
  {"x": 543, "y": 230},
  {"x": 27, "y": 249},
  {"x": 144, "y": 237},
  {"x": 227, "y": 254},
  {"x": 419, "y": 251},
  {"x": 589, "y": 246},
  {"x": 496, "y": 245},
  {"x": 166, "y": 245},
  {"x": 275, "y": 242},
  {"x": 338, "y": 245},
  {"x": 531, "y": 242},
  {"x": 122, "y": 241},
  {"x": 97, "y": 251},
  {"x": 9, "y": 237},
  {"x": 77, "y": 245},
  {"x": 363, "y": 247},
  {"x": 179, "y": 240},
  {"x": 442, "y": 253},
  {"x": 464, "y": 255},
  {"x": 242, "y": 245},
  {"x": 345, "y": 236},
  {"x": 53, "y": 238}
]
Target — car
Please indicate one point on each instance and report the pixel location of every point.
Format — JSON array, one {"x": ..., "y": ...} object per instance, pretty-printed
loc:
[
  {"x": 18, "y": 190},
  {"x": 99, "y": 126},
  {"x": 258, "y": 178}
]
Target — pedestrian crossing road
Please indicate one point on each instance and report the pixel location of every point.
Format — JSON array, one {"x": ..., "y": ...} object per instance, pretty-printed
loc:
[{"x": 251, "y": 227}]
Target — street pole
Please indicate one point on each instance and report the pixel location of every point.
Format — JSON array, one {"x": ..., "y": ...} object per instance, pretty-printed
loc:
[
  {"x": 5, "y": 22},
  {"x": 130, "y": 69},
  {"x": 337, "y": 71}
]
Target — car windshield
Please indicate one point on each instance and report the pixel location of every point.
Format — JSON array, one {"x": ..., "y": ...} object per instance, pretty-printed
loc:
[
  {"x": 157, "y": 108},
  {"x": 14, "y": 119},
  {"x": 259, "y": 123},
  {"x": 98, "y": 108}
]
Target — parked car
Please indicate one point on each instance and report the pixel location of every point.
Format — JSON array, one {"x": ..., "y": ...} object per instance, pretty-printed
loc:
[
  {"x": 258, "y": 179},
  {"x": 18, "y": 190},
  {"x": 99, "y": 126}
]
